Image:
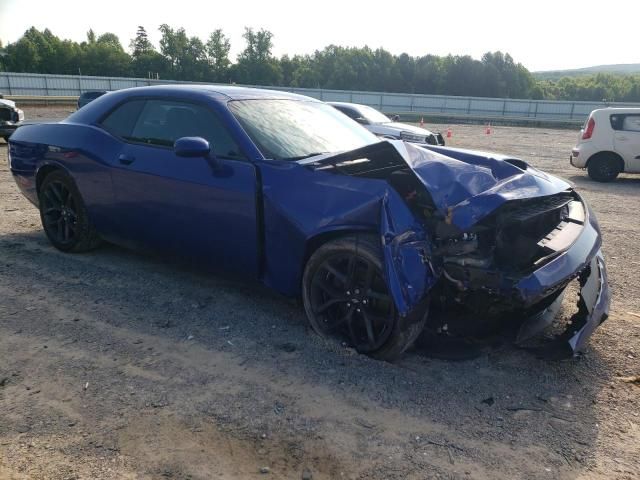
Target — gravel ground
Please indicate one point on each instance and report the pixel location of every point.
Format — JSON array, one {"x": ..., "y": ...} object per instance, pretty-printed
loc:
[{"x": 117, "y": 365}]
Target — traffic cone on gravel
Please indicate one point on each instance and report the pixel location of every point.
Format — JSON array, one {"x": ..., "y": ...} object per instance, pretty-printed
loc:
[
  {"x": 488, "y": 131},
  {"x": 449, "y": 134}
]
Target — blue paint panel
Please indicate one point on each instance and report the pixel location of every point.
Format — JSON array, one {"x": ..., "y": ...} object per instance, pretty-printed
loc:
[
  {"x": 180, "y": 205},
  {"x": 466, "y": 186}
]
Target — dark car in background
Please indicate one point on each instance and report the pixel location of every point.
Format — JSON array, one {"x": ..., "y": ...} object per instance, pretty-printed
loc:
[
  {"x": 86, "y": 97},
  {"x": 382, "y": 239}
]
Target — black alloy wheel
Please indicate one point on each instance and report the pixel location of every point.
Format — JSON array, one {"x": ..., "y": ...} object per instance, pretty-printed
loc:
[
  {"x": 349, "y": 295},
  {"x": 64, "y": 215},
  {"x": 345, "y": 294},
  {"x": 59, "y": 213}
]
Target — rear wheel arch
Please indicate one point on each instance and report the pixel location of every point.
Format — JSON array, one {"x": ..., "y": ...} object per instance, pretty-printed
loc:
[
  {"x": 605, "y": 166},
  {"x": 45, "y": 170},
  {"x": 63, "y": 213}
]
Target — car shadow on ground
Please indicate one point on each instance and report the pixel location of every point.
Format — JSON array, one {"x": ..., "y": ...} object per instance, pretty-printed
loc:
[
  {"x": 620, "y": 182},
  {"x": 504, "y": 405}
]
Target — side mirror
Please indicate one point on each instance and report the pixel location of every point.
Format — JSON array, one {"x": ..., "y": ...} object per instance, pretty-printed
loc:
[
  {"x": 395, "y": 118},
  {"x": 191, "y": 147},
  {"x": 362, "y": 120}
]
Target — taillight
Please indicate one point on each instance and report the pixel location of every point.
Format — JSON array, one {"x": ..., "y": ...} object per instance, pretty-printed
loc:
[{"x": 588, "y": 132}]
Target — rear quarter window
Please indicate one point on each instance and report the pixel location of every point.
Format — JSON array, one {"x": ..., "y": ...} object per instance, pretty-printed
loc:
[{"x": 121, "y": 121}]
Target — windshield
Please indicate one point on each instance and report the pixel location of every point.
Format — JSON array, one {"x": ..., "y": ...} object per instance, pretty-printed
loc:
[
  {"x": 292, "y": 129},
  {"x": 372, "y": 115}
]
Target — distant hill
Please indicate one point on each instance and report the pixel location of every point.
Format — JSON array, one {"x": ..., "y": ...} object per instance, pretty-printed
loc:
[{"x": 622, "y": 69}]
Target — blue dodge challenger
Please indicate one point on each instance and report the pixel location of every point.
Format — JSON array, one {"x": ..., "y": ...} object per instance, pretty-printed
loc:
[{"x": 382, "y": 240}]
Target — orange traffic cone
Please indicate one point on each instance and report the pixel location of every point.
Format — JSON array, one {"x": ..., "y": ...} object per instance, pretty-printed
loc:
[
  {"x": 421, "y": 122},
  {"x": 488, "y": 131},
  {"x": 449, "y": 134}
]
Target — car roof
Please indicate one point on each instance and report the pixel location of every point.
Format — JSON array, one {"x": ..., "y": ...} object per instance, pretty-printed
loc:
[
  {"x": 231, "y": 92},
  {"x": 219, "y": 93},
  {"x": 618, "y": 110}
]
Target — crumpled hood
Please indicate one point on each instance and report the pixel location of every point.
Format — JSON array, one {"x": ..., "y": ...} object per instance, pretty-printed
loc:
[{"x": 467, "y": 185}]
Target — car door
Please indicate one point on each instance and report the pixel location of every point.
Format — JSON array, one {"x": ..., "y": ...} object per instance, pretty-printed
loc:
[
  {"x": 184, "y": 205},
  {"x": 627, "y": 139}
]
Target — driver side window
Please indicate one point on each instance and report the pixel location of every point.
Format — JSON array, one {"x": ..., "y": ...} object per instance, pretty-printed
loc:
[{"x": 161, "y": 122}]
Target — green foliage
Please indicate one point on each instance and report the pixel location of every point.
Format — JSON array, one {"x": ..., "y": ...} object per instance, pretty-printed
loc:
[
  {"x": 256, "y": 65},
  {"x": 141, "y": 45},
  {"x": 183, "y": 57},
  {"x": 599, "y": 87},
  {"x": 217, "y": 49},
  {"x": 145, "y": 60}
]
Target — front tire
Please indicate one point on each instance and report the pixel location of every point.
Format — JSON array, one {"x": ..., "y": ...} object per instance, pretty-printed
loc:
[
  {"x": 344, "y": 293},
  {"x": 64, "y": 215},
  {"x": 604, "y": 168}
]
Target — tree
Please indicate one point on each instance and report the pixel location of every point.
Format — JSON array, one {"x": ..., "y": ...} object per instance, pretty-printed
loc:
[
  {"x": 255, "y": 64},
  {"x": 110, "y": 39},
  {"x": 173, "y": 45},
  {"x": 145, "y": 60},
  {"x": 217, "y": 49},
  {"x": 105, "y": 55},
  {"x": 182, "y": 57},
  {"x": 186, "y": 56},
  {"x": 22, "y": 56},
  {"x": 141, "y": 45}
]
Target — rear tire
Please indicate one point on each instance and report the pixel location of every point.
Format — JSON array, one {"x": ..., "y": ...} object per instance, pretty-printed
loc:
[
  {"x": 604, "y": 167},
  {"x": 345, "y": 294},
  {"x": 64, "y": 215}
]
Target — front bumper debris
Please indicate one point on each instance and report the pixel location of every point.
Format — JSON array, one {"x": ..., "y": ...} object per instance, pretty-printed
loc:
[{"x": 593, "y": 309}]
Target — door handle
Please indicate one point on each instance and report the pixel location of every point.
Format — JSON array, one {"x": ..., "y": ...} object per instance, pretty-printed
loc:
[
  {"x": 623, "y": 138},
  {"x": 126, "y": 159}
]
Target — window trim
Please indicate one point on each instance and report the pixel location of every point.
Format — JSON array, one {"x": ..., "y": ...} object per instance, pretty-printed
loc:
[{"x": 145, "y": 98}]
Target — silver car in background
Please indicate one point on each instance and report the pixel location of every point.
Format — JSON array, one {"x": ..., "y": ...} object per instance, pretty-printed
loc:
[{"x": 385, "y": 127}]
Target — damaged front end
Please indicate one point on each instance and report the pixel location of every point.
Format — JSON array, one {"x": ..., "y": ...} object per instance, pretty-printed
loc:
[{"x": 492, "y": 241}]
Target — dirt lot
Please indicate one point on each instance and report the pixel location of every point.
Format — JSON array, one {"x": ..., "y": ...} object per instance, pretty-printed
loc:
[{"x": 120, "y": 366}]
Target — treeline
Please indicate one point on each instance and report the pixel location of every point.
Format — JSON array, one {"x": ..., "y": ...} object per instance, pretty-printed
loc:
[
  {"x": 184, "y": 57},
  {"x": 598, "y": 87}
]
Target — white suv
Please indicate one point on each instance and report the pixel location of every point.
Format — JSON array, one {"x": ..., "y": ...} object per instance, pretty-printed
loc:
[{"x": 609, "y": 143}]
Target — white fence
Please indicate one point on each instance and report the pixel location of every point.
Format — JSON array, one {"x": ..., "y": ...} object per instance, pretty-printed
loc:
[{"x": 31, "y": 84}]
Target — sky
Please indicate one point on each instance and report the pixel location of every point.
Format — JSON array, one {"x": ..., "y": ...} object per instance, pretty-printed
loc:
[{"x": 541, "y": 34}]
